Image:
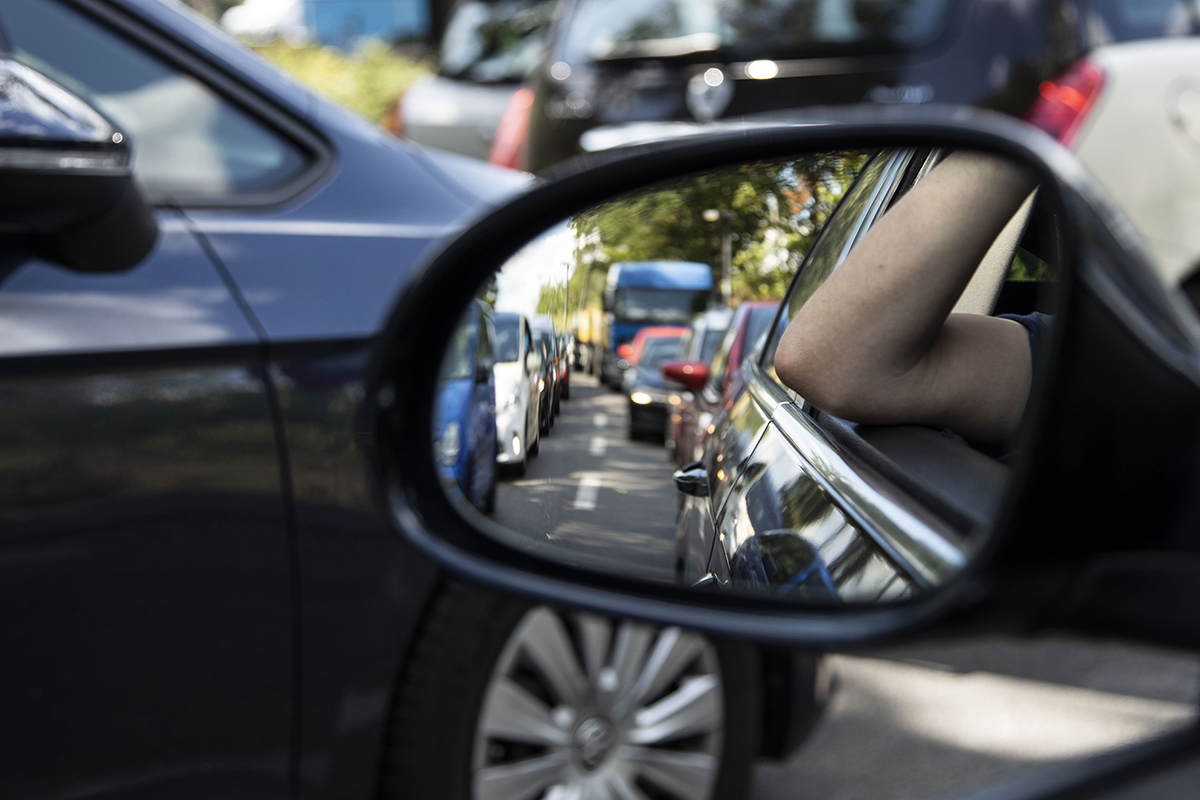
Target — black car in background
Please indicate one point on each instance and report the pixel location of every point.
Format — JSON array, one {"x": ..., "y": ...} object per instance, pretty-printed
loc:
[
  {"x": 646, "y": 388},
  {"x": 612, "y": 66},
  {"x": 487, "y": 51}
]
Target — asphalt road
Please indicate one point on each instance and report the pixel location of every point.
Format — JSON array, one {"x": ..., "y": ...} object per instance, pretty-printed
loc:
[
  {"x": 917, "y": 722},
  {"x": 593, "y": 495},
  {"x": 943, "y": 720}
]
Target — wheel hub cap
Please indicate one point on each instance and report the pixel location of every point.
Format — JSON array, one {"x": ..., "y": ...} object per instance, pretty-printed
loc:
[{"x": 593, "y": 740}]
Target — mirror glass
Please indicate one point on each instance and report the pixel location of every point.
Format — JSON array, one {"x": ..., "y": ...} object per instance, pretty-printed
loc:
[{"x": 801, "y": 378}]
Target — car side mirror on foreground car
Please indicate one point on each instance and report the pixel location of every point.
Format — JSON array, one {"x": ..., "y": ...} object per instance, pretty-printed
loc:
[
  {"x": 818, "y": 528},
  {"x": 66, "y": 186}
]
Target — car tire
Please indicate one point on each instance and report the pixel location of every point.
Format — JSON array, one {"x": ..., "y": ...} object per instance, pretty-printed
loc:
[{"x": 495, "y": 683}]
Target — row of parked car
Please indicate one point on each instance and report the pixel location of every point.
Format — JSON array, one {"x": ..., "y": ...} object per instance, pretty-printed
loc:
[{"x": 500, "y": 389}]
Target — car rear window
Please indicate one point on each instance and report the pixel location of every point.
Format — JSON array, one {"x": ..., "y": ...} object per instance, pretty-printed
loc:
[
  {"x": 750, "y": 29},
  {"x": 508, "y": 339},
  {"x": 494, "y": 42},
  {"x": 1125, "y": 20},
  {"x": 712, "y": 340}
]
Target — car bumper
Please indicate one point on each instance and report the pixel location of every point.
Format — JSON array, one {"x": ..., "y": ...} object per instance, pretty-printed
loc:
[{"x": 510, "y": 425}]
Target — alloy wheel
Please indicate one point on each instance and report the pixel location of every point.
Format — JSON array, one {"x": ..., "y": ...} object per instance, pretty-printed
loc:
[{"x": 582, "y": 707}]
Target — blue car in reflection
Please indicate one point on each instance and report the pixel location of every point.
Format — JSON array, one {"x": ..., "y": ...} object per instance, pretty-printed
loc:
[{"x": 465, "y": 413}]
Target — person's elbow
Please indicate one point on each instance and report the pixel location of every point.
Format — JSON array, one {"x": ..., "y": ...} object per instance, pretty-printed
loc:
[{"x": 829, "y": 380}]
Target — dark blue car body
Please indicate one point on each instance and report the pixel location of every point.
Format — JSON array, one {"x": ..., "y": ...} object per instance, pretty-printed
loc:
[
  {"x": 202, "y": 596},
  {"x": 185, "y": 466},
  {"x": 465, "y": 411}
]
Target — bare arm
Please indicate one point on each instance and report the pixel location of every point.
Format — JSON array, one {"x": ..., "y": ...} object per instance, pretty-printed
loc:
[{"x": 877, "y": 342}]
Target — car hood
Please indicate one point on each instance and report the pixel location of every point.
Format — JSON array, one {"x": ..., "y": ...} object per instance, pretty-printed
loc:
[{"x": 508, "y": 377}]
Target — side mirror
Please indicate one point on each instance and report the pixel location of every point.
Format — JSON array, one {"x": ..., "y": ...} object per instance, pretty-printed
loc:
[
  {"x": 483, "y": 373},
  {"x": 1081, "y": 522},
  {"x": 66, "y": 188},
  {"x": 692, "y": 374}
]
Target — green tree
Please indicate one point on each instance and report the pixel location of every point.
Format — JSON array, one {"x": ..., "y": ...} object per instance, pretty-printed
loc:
[{"x": 777, "y": 209}]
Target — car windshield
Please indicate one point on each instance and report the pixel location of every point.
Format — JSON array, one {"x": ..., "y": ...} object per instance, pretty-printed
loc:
[
  {"x": 495, "y": 42},
  {"x": 750, "y": 29},
  {"x": 508, "y": 339},
  {"x": 712, "y": 340},
  {"x": 457, "y": 364},
  {"x": 756, "y": 326},
  {"x": 658, "y": 305},
  {"x": 1124, "y": 20},
  {"x": 657, "y": 351}
]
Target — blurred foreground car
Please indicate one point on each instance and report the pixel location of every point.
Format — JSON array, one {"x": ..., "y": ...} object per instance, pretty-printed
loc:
[
  {"x": 466, "y": 409},
  {"x": 614, "y": 74},
  {"x": 1131, "y": 113},
  {"x": 488, "y": 50},
  {"x": 211, "y": 602}
]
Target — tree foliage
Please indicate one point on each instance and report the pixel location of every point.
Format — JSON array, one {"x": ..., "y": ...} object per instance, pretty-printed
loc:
[
  {"x": 773, "y": 210},
  {"x": 367, "y": 81}
]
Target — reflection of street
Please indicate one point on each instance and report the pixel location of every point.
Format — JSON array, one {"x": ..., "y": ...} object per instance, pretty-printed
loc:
[{"x": 594, "y": 492}]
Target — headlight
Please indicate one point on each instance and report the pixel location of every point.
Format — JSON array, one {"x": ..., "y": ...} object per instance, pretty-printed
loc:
[
  {"x": 450, "y": 444},
  {"x": 509, "y": 402},
  {"x": 646, "y": 396},
  {"x": 541, "y": 385}
]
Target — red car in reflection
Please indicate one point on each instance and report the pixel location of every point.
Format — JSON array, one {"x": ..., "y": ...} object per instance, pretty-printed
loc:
[{"x": 705, "y": 382}]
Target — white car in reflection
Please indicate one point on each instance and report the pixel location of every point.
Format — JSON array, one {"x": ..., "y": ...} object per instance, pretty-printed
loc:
[{"x": 517, "y": 392}]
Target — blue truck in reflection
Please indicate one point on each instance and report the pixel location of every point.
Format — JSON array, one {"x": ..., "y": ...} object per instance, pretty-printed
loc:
[{"x": 643, "y": 293}]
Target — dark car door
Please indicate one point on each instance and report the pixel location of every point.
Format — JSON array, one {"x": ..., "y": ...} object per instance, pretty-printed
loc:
[{"x": 144, "y": 557}]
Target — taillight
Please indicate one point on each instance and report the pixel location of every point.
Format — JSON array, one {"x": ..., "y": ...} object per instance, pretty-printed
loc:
[
  {"x": 510, "y": 134},
  {"x": 1063, "y": 103}
]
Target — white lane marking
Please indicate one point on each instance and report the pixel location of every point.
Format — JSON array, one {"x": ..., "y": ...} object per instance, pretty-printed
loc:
[
  {"x": 597, "y": 445},
  {"x": 600, "y": 420},
  {"x": 588, "y": 491}
]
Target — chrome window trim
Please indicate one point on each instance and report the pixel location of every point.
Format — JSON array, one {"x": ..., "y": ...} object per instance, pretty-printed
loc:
[
  {"x": 882, "y": 193},
  {"x": 929, "y": 550}
]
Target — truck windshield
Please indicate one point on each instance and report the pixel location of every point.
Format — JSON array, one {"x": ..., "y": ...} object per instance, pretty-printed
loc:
[{"x": 658, "y": 305}]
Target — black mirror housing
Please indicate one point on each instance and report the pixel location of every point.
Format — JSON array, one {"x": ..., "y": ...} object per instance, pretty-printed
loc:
[
  {"x": 1116, "y": 327},
  {"x": 66, "y": 187}
]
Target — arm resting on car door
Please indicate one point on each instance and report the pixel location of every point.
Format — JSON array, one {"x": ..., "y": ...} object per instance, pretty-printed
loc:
[{"x": 877, "y": 343}]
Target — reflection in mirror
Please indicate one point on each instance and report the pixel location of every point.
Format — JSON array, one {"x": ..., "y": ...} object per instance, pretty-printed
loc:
[{"x": 800, "y": 379}]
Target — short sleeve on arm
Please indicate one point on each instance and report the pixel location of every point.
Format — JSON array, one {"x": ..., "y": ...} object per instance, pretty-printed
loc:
[{"x": 1037, "y": 325}]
